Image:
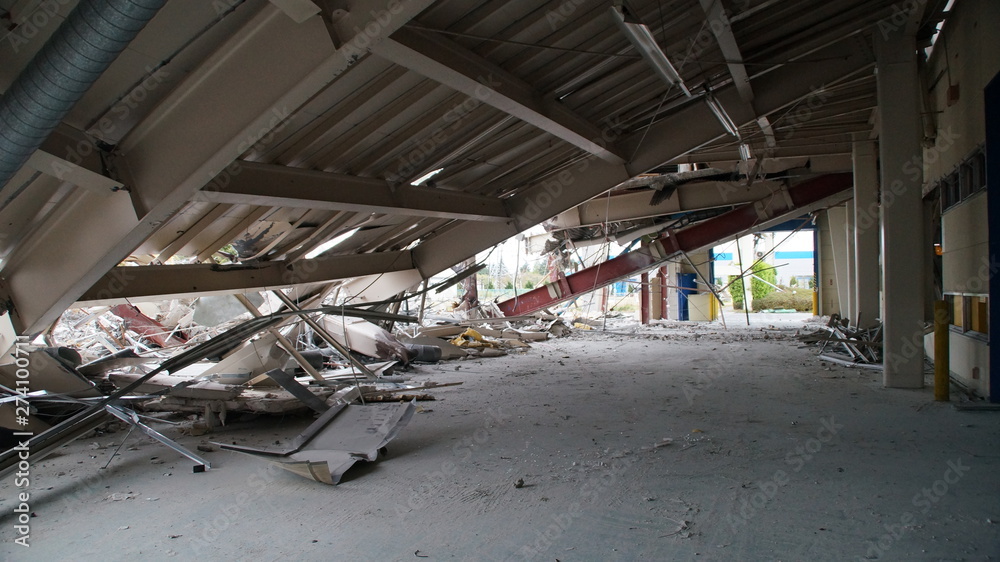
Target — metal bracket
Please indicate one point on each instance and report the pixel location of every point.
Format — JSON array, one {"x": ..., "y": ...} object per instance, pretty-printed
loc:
[{"x": 133, "y": 419}]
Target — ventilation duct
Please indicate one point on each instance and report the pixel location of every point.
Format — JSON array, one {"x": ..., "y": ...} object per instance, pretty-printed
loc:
[{"x": 76, "y": 55}]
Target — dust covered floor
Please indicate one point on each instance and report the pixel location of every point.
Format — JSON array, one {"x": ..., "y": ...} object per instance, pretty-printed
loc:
[{"x": 661, "y": 443}]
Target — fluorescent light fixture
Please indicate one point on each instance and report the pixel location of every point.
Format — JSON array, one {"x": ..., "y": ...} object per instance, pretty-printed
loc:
[
  {"x": 330, "y": 243},
  {"x": 644, "y": 42},
  {"x": 745, "y": 152},
  {"x": 722, "y": 116},
  {"x": 426, "y": 176}
]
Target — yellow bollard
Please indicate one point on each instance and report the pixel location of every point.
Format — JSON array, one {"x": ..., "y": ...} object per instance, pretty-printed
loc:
[
  {"x": 815, "y": 302},
  {"x": 942, "y": 352}
]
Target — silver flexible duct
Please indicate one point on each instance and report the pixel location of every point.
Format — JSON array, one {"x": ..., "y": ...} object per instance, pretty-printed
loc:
[{"x": 83, "y": 47}]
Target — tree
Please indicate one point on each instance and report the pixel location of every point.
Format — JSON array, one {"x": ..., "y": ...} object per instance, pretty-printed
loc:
[
  {"x": 736, "y": 291},
  {"x": 760, "y": 289}
]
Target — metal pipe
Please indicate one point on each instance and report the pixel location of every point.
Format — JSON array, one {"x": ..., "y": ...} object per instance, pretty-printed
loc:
[{"x": 69, "y": 63}]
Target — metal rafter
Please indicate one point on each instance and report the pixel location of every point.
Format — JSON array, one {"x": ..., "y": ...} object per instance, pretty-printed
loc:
[
  {"x": 451, "y": 64},
  {"x": 281, "y": 186}
]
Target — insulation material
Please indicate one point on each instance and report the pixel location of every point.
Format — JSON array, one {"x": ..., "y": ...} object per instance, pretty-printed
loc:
[
  {"x": 471, "y": 338},
  {"x": 219, "y": 309}
]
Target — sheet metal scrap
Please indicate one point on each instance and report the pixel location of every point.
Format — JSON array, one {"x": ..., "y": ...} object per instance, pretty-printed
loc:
[
  {"x": 341, "y": 437},
  {"x": 95, "y": 414},
  {"x": 862, "y": 347}
]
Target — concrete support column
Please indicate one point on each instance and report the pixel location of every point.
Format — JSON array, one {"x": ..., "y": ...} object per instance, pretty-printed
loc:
[
  {"x": 867, "y": 277},
  {"x": 902, "y": 209},
  {"x": 672, "y": 310},
  {"x": 837, "y": 221},
  {"x": 851, "y": 308}
]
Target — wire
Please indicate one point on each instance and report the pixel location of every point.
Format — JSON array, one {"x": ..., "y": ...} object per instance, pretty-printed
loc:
[{"x": 521, "y": 43}]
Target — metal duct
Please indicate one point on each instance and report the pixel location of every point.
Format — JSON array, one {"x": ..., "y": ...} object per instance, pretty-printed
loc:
[{"x": 83, "y": 47}]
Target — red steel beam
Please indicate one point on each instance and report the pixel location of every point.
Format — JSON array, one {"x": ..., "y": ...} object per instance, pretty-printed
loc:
[
  {"x": 147, "y": 327},
  {"x": 671, "y": 244},
  {"x": 644, "y": 299}
]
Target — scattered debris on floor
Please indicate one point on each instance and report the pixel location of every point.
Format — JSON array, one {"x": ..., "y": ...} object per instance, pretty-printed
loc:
[{"x": 195, "y": 365}]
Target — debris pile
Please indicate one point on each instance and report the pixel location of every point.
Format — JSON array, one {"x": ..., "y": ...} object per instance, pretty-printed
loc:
[
  {"x": 206, "y": 360},
  {"x": 840, "y": 342}
]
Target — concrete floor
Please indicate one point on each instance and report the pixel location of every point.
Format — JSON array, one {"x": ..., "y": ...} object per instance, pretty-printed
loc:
[{"x": 664, "y": 444}]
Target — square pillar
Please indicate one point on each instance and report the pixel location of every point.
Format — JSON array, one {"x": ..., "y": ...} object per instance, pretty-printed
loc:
[
  {"x": 902, "y": 209},
  {"x": 867, "y": 277}
]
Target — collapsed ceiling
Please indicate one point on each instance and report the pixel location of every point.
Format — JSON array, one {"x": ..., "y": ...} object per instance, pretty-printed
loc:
[{"x": 246, "y": 144}]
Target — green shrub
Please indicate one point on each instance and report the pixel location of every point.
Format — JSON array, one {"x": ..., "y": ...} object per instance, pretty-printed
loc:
[
  {"x": 736, "y": 291},
  {"x": 798, "y": 299},
  {"x": 760, "y": 289}
]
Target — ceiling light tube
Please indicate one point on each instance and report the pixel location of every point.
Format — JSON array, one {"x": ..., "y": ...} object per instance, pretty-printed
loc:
[
  {"x": 722, "y": 116},
  {"x": 644, "y": 42}
]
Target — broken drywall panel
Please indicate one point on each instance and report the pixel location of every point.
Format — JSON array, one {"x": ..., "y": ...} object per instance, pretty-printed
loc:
[
  {"x": 340, "y": 438},
  {"x": 443, "y": 331},
  {"x": 52, "y": 370},
  {"x": 177, "y": 386},
  {"x": 256, "y": 356},
  {"x": 364, "y": 337},
  {"x": 119, "y": 360},
  {"x": 8, "y": 337}
]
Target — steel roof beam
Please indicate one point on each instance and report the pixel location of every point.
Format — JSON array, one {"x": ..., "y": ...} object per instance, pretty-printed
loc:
[
  {"x": 449, "y": 63},
  {"x": 175, "y": 281},
  {"x": 281, "y": 186}
]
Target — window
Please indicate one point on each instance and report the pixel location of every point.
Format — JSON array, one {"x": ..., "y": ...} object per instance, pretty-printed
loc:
[
  {"x": 965, "y": 181},
  {"x": 970, "y": 314}
]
